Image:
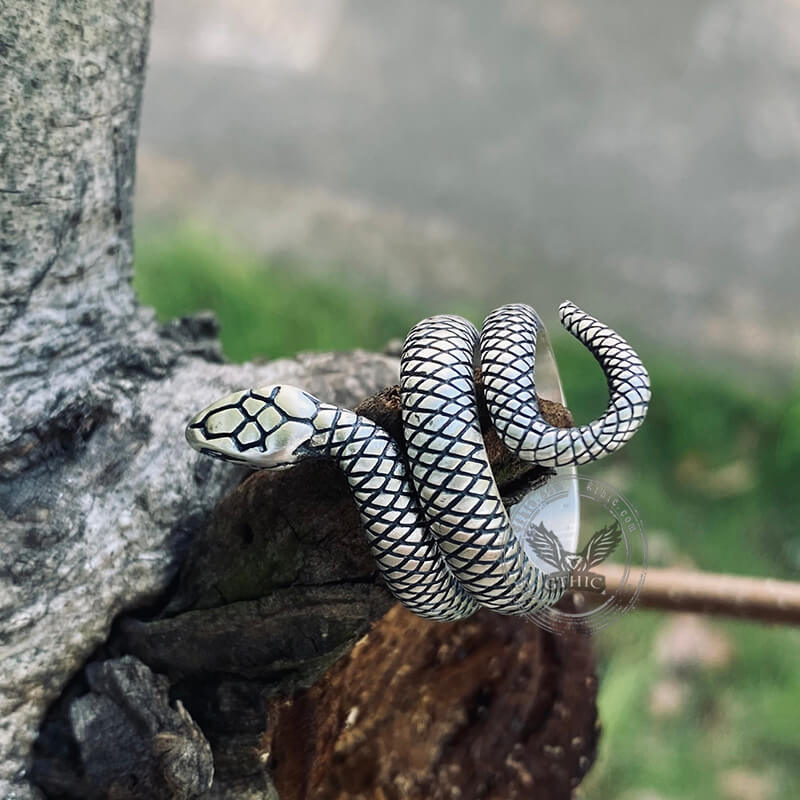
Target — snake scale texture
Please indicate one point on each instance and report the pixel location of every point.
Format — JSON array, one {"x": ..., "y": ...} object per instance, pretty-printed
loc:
[{"x": 439, "y": 532}]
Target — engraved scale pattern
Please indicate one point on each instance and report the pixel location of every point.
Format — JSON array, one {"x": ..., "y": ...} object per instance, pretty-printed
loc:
[
  {"x": 448, "y": 546},
  {"x": 407, "y": 556},
  {"x": 451, "y": 472},
  {"x": 410, "y": 561},
  {"x": 508, "y": 345}
]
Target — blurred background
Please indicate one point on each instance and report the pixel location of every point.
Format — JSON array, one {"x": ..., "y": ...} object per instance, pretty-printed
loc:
[{"x": 324, "y": 173}]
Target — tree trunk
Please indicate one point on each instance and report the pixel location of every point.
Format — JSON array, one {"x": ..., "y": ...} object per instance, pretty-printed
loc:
[
  {"x": 99, "y": 492},
  {"x": 101, "y": 501}
]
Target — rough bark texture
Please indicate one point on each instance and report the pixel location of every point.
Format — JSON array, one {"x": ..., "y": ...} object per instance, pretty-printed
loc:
[
  {"x": 99, "y": 492},
  {"x": 486, "y": 708},
  {"x": 164, "y": 749},
  {"x": 101, "y": 501},
  {"x": 275, "y": 589}
]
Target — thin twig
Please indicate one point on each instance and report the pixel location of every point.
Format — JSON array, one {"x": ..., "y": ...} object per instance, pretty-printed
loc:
[{"x": 762, "y": 599}]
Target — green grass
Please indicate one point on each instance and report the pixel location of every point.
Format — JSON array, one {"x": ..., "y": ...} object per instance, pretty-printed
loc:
[
  {"x": 265, "y": 309},
  {"x": 742, "y": 715},
  {"x": 715, "y": 471}
]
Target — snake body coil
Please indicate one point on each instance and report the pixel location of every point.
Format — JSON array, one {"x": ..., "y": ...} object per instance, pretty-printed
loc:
[{"x": 441, "y": 535}]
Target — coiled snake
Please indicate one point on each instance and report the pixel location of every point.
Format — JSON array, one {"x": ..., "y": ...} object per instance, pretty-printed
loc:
[{"x": 440, "y": 534}]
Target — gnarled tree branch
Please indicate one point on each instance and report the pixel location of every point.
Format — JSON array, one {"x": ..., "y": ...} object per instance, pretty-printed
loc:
[{"x": 101, "y": 500}]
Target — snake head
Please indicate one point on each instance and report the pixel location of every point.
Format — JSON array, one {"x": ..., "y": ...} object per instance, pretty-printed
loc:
[{"x": 265, "y": 428}]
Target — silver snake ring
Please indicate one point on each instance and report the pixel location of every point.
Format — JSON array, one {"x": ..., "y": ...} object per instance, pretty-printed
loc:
[{"x": 441, "y": 535}]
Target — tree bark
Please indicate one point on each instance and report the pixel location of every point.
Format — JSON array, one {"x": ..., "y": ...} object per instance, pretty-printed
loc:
[
  {"x": 101, "y": 502},
  {"x": 761, "y": 599},
  {"x": 99, "y": 494},
  {"x": 275, "y": 589}
]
